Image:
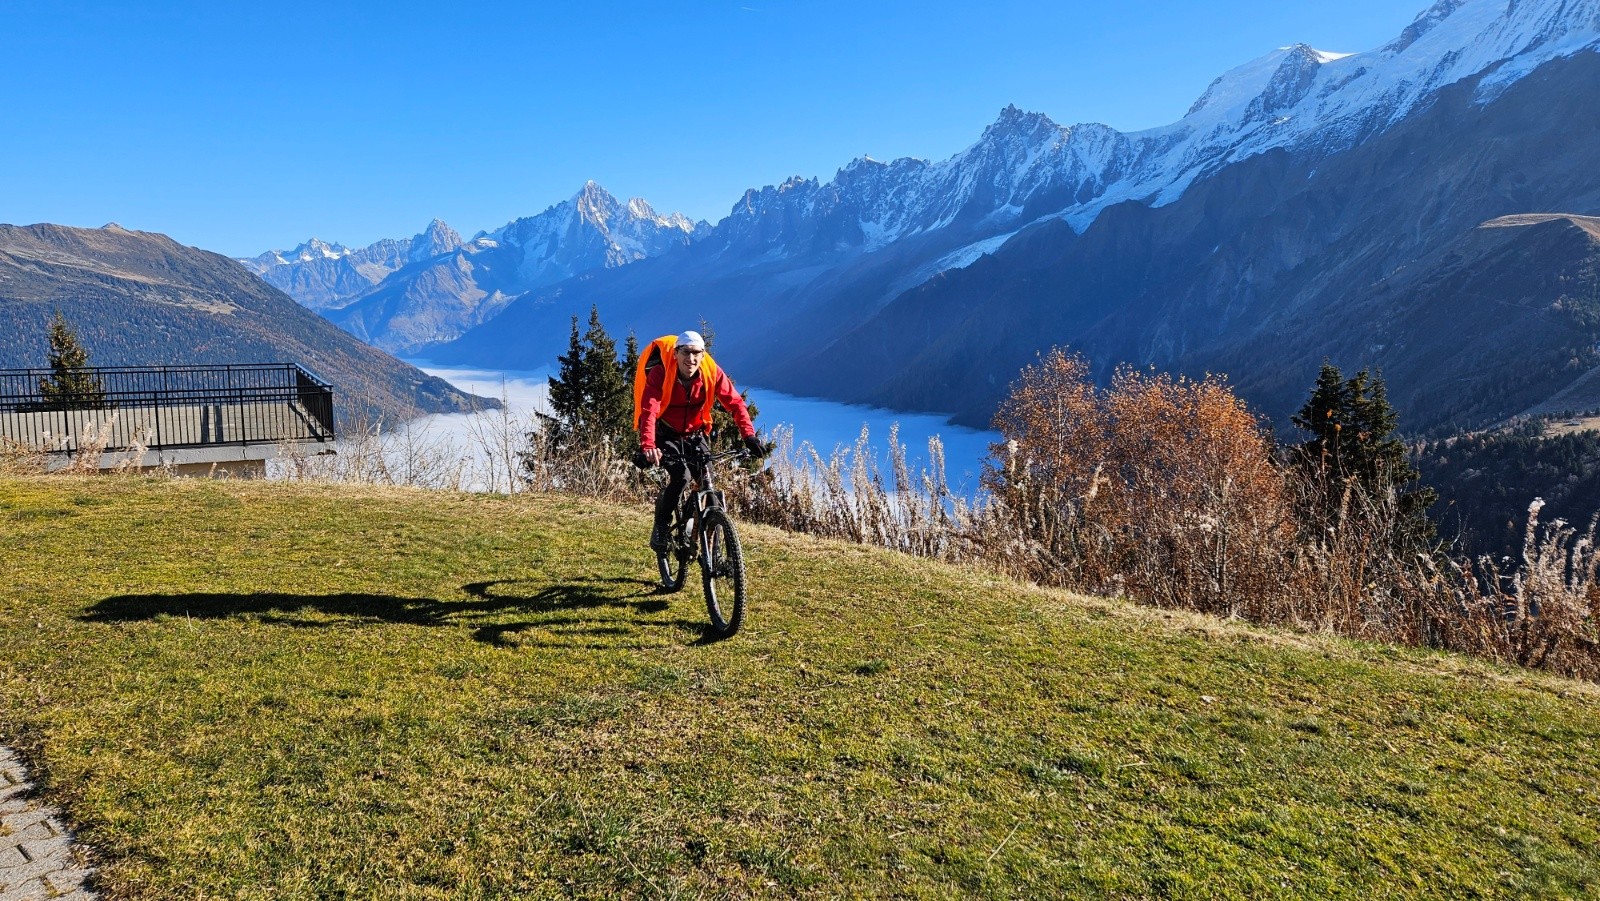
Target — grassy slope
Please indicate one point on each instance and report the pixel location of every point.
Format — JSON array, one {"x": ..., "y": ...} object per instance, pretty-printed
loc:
[{"x": 272, "y": 691}]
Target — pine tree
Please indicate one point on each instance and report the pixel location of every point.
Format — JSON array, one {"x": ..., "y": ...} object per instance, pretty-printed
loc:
[
  {"x": 590, "y": 400},
  {"x": 70, "y": 385},
  {"x": 631, "y": 361},
  {"x": 609, "y": 396},
  {"x": 566, "y": 393},
  {"x": 628, "y": 439},
  {"x": 1354, "y": 444}
]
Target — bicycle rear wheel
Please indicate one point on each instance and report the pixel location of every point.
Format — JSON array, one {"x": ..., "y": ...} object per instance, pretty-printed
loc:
[
  {"x": 673, "y": 567},
  {"x": 722, "y": 573},
  {"x": 674, "y": 564}
]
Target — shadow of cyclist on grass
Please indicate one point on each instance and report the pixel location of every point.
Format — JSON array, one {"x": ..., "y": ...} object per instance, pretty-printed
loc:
[{"x": 487, "y": 601}]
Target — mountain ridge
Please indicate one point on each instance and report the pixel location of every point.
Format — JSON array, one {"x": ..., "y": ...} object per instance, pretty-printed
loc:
[
  {"x": 142, "y": 299},
  {"x": 403, "y": 295},
  {"x": 799, "y": 274}
]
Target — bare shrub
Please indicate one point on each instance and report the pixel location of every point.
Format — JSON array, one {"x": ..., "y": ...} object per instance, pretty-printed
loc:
[
  {"x": 94, "y": 438},
  {"x": 588, "y": 470},
  {"x": 133, "y": 461},
  {"x": 367, "y": 453},
  {"x": 1193, "y": 491},
  {"x": 500, "y": 437},
  {"x": 17, "y": 458},
  {"x": 1161, "y": 488},
  {"x": 849, "y": 496},
  {"x": 1543, "y": 614},
  {"x": 1345, "y": 573}
]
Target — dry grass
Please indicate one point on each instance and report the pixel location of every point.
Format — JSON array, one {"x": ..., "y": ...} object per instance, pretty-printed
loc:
[{"x": 17, "y": 458}]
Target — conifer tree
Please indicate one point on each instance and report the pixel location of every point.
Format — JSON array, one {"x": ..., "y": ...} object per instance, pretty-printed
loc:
[
  {"x": 1354, "y": 444},
  {"x": 631, "y": 361},
  {"x": 590, "y": 401},
  {"x": 566, "y": 392},
  {"x": 628, "y": 439},
  {"x": 70, "y": 385},
  {"x": 611, "y": 401}
]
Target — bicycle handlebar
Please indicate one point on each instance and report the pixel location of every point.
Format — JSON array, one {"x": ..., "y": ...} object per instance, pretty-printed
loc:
[{"x": 698, "y": 456}]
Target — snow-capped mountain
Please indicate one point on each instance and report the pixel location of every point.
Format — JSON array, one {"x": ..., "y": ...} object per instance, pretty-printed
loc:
[
  {"x": 326, "y": 276},
  {"x": 403, "y": 294},
  {"x": 1025, "y": 167},
  {"x": 1181, "y": 239},
  {"x": 591, "y": 230}
]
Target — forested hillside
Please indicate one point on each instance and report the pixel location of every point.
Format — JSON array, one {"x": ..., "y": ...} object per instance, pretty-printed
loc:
[{"x": 1486, "y": 482}]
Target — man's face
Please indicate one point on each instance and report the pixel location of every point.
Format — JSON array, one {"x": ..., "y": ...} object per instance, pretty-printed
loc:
[{"x": 689, "y": 361}]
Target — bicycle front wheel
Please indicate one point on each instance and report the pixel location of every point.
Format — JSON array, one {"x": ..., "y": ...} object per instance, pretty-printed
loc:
[{"x": 722, "y": 572}]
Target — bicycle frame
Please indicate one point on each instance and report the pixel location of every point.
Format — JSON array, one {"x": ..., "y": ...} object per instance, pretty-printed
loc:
[
  {"x": 702, "y": 530},
  {"x": 700, "y": 494}
]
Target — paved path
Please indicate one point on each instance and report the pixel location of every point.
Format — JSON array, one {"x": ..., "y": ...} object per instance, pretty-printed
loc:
[{"x": 37, "y": 859}]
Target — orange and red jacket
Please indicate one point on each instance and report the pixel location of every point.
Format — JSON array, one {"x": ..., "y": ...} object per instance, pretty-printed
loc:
[{"x": 684, "y": 406}]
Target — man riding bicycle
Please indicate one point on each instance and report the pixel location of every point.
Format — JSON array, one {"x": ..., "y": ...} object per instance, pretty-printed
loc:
[{"x": 673, "y": 404}]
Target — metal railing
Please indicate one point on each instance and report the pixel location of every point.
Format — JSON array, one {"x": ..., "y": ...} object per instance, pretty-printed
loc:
[{"x": 158, "y": 407}]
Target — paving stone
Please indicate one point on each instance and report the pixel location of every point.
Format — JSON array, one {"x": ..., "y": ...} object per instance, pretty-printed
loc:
[
  {"x": 33, "y": 869},
  {"x": 57, "y": 847},
  {"x": 31, "y": 888},
  {"x": 37, "y": 858},
  {"x": 64, "y": 881},
  {"x": 37, "y": 831},
  {"x": 22, "y": 821}
]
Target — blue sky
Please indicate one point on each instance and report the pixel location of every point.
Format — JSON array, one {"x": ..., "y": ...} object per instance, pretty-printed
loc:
[{"x": 242, "y": 129}]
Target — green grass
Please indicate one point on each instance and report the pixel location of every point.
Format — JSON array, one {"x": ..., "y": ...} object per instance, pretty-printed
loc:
[{"x": 246, "y": 690}]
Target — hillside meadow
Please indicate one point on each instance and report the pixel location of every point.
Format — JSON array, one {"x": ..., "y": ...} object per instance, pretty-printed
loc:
[{"x": 268, "y": 690}]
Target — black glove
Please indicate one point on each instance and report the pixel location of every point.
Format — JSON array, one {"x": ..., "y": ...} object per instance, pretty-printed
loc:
[
  {"x": 641, "y": 461},
  {"x": 754, "y": 447}
]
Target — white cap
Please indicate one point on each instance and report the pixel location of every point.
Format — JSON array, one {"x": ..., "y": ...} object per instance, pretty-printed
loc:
[{"x": 691, "y": 340}]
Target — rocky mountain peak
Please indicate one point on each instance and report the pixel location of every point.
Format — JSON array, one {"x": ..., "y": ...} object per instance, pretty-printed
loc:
[
  {"x": 639, "y": 208},
  {"x": 1424, "y": 23},
  {"x": 1270, "y": 83},
  {"x": 1014, "y": 124},
  {"x": 438, "y": 238},
  {"x": 1292, "y": 80},
  {"x": 316, "y": 248},
  {"x": 595, "y": 204}
]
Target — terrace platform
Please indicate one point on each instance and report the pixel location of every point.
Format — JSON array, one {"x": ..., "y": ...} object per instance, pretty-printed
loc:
[{"x": 191, "y": 419}]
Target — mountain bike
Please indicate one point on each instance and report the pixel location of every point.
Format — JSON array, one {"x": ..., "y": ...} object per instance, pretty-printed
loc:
[{"x": 702, "y": 529}]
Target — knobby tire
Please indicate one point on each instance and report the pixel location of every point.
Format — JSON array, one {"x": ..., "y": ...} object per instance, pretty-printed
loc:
[
  {"x": 673, "y": 566},
  {"x": 722, "y": 572}
]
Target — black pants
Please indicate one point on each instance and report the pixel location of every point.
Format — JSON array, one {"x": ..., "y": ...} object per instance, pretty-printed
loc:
[{"x": 674, "y": 450}]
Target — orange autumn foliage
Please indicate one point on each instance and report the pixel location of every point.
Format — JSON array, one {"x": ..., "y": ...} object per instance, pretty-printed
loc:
[{"x": 1159, "y": 487}]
